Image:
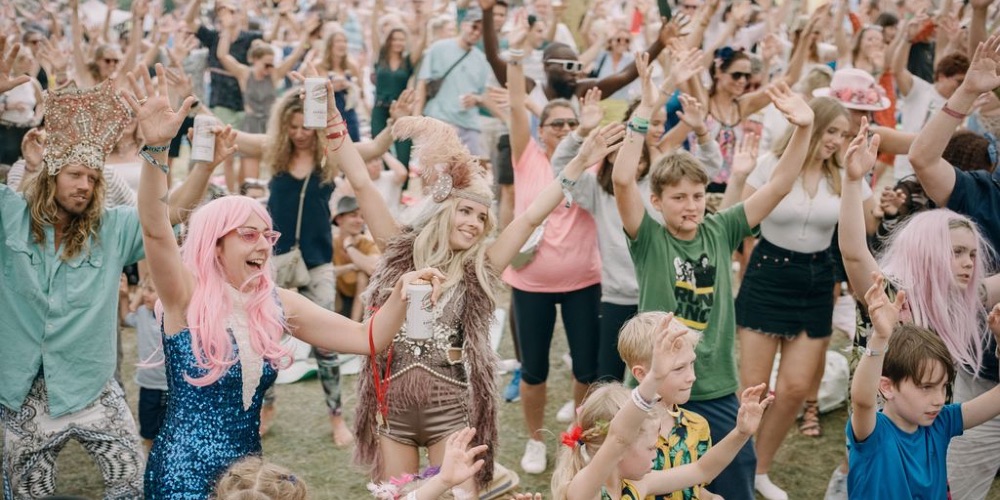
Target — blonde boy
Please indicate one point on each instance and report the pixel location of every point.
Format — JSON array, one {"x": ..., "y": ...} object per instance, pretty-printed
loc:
[{"x": 684, "y": 435}]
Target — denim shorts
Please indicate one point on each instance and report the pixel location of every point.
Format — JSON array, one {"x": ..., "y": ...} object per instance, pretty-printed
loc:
[{"x": 785, "y": 293}]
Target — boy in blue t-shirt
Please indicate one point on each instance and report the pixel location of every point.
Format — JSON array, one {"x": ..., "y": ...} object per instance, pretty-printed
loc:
[{"x": 900, "y": 452}]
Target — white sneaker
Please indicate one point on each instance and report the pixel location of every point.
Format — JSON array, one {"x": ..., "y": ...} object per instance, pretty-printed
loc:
[
  {"x": 767, "y": 489},
  {"x": 534, "y": 461},
  {"x": 508, "y": 365},
  {"x": 837, "y": 488},
  {"x": 566, "y": 413}
]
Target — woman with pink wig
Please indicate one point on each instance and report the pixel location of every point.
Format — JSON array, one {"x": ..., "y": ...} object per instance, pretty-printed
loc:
[{"x": 222, "y": 316}]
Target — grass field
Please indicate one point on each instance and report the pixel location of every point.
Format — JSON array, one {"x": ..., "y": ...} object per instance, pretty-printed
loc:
[{"x": 300, "y": 440}]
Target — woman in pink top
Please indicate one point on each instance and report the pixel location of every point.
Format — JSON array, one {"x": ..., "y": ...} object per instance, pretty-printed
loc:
[{"x": 564, "y": 270}]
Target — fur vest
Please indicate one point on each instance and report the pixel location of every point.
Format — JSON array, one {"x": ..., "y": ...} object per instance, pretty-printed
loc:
[{"x": 479, "y": 360}]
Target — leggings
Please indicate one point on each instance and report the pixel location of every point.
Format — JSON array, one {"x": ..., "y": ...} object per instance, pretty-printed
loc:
[
  {"x": 535, "y": 317},
  {"x": 610, "y": 366}
]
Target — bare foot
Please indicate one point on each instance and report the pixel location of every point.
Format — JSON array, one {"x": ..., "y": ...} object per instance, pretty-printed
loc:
[
  {"x": 342, "y": 436},
  {"x": 267, "y": 413}
]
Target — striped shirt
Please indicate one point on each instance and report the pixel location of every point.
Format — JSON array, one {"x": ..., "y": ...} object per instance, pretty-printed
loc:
[{"x": 118, "y": 193}]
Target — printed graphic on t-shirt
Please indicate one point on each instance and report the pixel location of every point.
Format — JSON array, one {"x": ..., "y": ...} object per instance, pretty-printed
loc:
[{"x": 694, "y": 288}]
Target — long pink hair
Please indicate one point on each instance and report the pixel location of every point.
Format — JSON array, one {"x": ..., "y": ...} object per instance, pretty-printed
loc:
[
  {"x": 918, "y": 259},
  {"x": 210, "y": 305}
]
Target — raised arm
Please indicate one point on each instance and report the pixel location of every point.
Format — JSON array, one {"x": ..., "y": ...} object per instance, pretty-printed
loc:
[
  {"x": 977, "y": 25},
  {"x": 402, "y": 106},
  {"x": 744, "y": 162},
  {"x": 82, "y": 74},
  {"x": 858, "y": 260},
  {"x": 139, "y": 10},
  {"x": 158, "y": 124},
  {"x": 6, "y": 63},
  {"x": 341, "y": 151},
  {"x": 627, "y": 423},
  {"x": 759, "y": 99},
  {"x": 612, "y": 83},
  {"x": 192, "y": 15},
  {"x": 624, "y": 173},
  {"x": 520, "y": 127},
  {"x": 419, "y": 38},
  {"x": 598, "y": 145},
  {"x": 720, "y": 455},
  {"x": 229, "y": 63},
  {"x": 934, "y": 172},
  {"x": 864, "y": 388},
  {"x": 900, "y": 60},
  {"x": 799, "y": 114}
]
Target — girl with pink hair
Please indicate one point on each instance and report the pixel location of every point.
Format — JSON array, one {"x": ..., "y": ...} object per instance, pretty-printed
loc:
[
  {"x": 938, "y": 257},
  {"x": 222, "y": 316}
]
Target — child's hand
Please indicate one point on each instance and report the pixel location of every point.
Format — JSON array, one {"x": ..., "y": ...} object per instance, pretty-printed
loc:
[
  {"x": 600, "y": 143},
  {"x": 883, "y": 313},
  {"x": 668, "y": 344},
  {"x": 649, "y": 91},
  {"x": 460, "y": 462},
  {"x": 752, "y": 409},
  {"x": 860, "y": 158}
]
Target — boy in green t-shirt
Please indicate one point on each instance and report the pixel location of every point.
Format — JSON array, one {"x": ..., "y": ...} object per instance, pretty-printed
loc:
[{"x": 683, "y": 266}]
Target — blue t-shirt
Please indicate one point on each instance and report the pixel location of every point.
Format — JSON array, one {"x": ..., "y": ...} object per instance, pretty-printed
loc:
[
  {"x": 468, "y": 77},
  {"x": 891, "y": 463}
]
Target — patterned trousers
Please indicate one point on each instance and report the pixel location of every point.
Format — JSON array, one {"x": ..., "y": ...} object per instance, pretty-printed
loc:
[
  {"x": 32, "y": 439},
  {"x": 321, "y": 290}
]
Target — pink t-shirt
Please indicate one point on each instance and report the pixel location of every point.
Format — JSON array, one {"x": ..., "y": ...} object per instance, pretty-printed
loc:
[{"x": 567, "y": 258}]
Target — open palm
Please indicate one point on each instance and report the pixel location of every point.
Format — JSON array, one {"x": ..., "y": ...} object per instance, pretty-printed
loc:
[
  {"x": 591, "y": 113},
  {"x": 792, "y": 106},
  {"x": 861, "y": 154},
  {"x": 157, "y": 119},
  {"x": 6, "y": 62},
  {"x": 984, "y": 71}
]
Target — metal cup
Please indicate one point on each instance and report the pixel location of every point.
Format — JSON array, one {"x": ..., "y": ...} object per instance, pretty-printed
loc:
[{"x": 419, "y": 311}]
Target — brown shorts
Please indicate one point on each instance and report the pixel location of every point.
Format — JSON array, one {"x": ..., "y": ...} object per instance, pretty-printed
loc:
[{"x": 424, "y": 425}]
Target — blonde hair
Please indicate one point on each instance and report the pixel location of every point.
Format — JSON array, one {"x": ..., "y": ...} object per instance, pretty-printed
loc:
[
  {"x": 278, "y": 150},
  {"x": 826, "y": 109},
  {"x": 635, "y": 341},
  {"x": 253, "y": 478},
  {"x": 594, "y": 418},
  {"x": 40, "y": 194}
]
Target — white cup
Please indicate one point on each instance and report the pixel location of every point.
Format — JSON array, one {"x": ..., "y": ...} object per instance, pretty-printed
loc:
[{"x": 419, "y": 311}]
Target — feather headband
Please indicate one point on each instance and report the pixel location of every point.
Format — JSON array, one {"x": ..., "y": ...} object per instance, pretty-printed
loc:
[
  {"x": 448, "y": 169},
  {"x": 83, "y": 126}
]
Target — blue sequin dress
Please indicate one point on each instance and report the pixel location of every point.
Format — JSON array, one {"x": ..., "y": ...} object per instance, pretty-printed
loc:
[{"x": 205, "y": 429}]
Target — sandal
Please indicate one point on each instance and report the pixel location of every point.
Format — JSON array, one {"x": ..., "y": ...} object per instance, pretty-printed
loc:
[{"x": 810, "y": 420}]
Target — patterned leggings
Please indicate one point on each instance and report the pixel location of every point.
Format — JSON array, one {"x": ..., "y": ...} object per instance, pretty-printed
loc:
[{"x": 32, "y": 439}]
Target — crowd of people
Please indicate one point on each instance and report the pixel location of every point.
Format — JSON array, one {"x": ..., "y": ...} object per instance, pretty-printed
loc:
[{"x": 694, "y": 187}]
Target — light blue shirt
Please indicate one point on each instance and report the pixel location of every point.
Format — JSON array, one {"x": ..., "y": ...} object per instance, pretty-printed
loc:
[
  {"x": 468, "y": 77},
  {"x": 60, "y": 315}
]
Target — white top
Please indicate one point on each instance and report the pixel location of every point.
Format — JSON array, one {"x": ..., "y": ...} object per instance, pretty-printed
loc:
[
  {"x": 390, "y": 191},
  {"x": 800, "y": 223},
  {"x": 915, "y": 109},
  {"x": 19, "y": 104},
  {"x": 130, "y": 172}
]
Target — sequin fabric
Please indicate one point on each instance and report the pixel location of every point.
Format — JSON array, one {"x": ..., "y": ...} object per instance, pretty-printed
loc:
[
  {"x": 205, "y": 429},
  {"x": 83, "y": 126}
]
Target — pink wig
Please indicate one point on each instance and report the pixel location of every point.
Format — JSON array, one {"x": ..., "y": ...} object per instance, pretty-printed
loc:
[
  {"x": 210, "y": 306},
  {"x": 918, "y": 259}
]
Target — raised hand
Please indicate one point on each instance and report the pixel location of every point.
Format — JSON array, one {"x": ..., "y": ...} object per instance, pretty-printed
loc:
[
  {"x": 33, "y": 148},
  {"x": 689, "y": 64},
  {"x": 984, "y": 71},
  {"x": 591, "y": 113},
  {"x": 459, "y": 463},
  {"x": 795, "y": 109},
  {"x": 403, "y": 105},
  {"x": 890, "y": 200},
  {"x": 745, "y": 159},
  {"x": 519, "y": 32},
  {"x": 601, "y": 143},
  {"x": 649, "y": 91},
  {"x": 157, "y": 119},
  {"x": 667, "y": 344},
  {"x": 692, "y": 114},
  {"x": 752, "y": 409},
  {"x": 994, "y": 321},
  {"x": 6, "y": 63},
  {"x": 225, "y": 144},
  {"x": 883, "y": 312},
  {"x": 861, "y": 154}
]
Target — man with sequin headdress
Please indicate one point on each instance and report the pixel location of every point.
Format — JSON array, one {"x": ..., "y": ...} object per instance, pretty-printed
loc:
[{"x": 62, "y": 253}]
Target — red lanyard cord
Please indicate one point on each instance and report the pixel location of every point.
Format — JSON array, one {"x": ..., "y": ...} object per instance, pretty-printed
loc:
[{"x": 381, "y": 381}]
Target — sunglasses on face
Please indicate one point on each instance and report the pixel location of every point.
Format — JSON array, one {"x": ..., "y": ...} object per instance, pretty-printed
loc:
[
  {"x": 620, "y": 40},
  {"x": 689, "y": 7},
  {"x": 739, "y": 75},
  {"x": 567, "y": 64},
  {"x": 560, "y": 123},
  {"x": 251, "y": 235},
  {"x": 109, "y": 60}
]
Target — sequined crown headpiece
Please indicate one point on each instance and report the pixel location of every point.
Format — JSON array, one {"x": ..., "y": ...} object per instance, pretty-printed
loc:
[
  {"x": 83, "y": 126},
  {"x": 447, "y": 167}
]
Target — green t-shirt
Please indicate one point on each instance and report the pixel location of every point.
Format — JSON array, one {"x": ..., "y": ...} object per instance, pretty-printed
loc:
[{"x": 693, "y": 280}]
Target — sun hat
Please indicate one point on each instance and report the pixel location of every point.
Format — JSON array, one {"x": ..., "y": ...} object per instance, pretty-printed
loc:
[{"x": 855, "y": 89}]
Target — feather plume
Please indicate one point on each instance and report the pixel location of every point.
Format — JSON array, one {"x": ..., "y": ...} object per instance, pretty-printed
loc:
[{"x": 438, "y": 150}]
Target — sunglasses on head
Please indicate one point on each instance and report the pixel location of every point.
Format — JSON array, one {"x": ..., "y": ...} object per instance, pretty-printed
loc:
[
  {"x": 567, "y": 64},
  {"x": 560, "y": 123},
  {"x": 251, "y": 235},
  {"x": 739, "y": 75}
]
